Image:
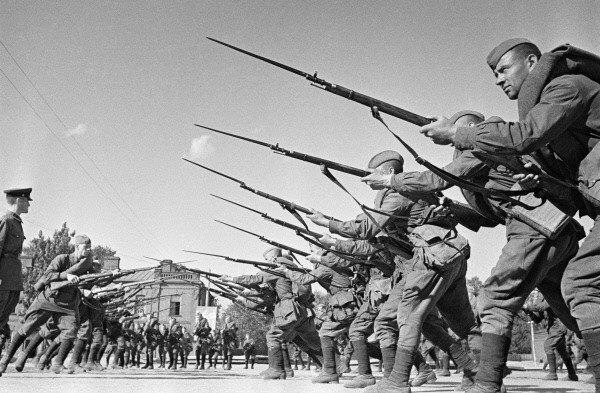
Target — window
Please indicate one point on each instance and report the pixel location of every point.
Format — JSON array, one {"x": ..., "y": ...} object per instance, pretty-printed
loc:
[{"x": 175, "y": 308}]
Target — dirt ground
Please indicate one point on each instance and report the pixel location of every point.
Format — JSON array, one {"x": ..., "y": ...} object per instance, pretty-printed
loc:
[{"x": 525, "y": 378}]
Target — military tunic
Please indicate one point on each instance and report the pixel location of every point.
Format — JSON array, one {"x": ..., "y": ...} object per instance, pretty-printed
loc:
[{"x": 11, "y": 279}]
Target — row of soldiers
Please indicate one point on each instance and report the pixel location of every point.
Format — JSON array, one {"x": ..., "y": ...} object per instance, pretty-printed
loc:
[{"x": 399, "y": 268}]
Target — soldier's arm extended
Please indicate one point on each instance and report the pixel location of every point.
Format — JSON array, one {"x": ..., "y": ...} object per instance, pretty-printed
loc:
[
  {"x": 464, "y": 166},
  {"x": 317, "y": 275},
  {"x": 255, "y": 279},
  {"x": 365, "y": 228},
  {"x": 560, "y": 106}
]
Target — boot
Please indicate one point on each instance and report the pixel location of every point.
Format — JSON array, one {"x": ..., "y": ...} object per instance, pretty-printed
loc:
[
  {"x": 92, "y": 364},
  {"x": 115, "y": 363},
  {"x": 229, "y": 359},
  {"x": 551, "y": 359},
  {"x": 329, "y": 373},
  {"x": 35, "y": 341},
  {"x": 78, "y": 348},
  {"x": 3, "y": 338},
  {"x": 591, "y": 340},
  {"x": 365, "y": 375},
  {"x": 63, "y": 351},
  {"x": 17, "y": 340},
  {"x": 47, "y": 355},
  {"x": 203, "y": 360},
  {"x": 84, "y": 357},
  {"x": 246, "y": 365},
  {"x": 148, "y": 359},
  {"x": 491, "y": 367},
  {"x": 425, "y": 373},
  {"x": 568, "y": 362},
  {"x": 161, "y": 357},
  {"x": 252, "y": 363},
  {"x": 287, "y": 365},
  {"x": 276, "y": 369},
  {"x": 445, "y": 363},
  {"x": 388, "y": 355}
]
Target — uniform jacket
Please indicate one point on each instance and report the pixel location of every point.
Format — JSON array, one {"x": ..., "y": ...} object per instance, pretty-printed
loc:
[
  {"x": 559, "y": 109},
  {"x": 11, "y": 245},
  {"x": 65, "y": 300}
]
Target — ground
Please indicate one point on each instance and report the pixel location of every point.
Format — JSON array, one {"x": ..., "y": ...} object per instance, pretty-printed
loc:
[{"x": 525, "y": 378}]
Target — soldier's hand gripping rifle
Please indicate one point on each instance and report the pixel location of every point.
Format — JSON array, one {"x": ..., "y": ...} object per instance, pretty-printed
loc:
[
  {"x": 92, "y": 279},
  {"x": 341, "y": 91},
  {"x": 292, "y": 207},
  {"x": 299, "y": 156}
]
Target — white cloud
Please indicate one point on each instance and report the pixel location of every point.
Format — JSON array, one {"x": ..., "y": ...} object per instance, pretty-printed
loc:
[
  {"x": 201, "y": 147},
  {"x": 79, "y": 130}
]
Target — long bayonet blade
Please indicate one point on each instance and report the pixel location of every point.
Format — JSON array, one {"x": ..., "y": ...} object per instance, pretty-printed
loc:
[
  {"x": 238, "y": 204},
  {"x": 241, "y": 183},
  {"x": 269, "y": 145},
  {"x": 277, "y": 64}
]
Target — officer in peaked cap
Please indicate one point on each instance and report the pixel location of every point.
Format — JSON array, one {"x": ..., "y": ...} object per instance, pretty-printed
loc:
[{"x": 11, "y": 245}]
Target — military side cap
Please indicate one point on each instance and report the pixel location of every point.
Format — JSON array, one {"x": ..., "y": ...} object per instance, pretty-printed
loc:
[
  {"x": 81, "y": 239},
  {"x": 460, "y": 114},
  {"x": 273, "y": 252},
  {"x": 385, "y": 156},
  {"x": 19, "y": 192},
  {"x": 494, "y": 57}
]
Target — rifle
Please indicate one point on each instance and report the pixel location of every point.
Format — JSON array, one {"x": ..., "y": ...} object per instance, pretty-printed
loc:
[
  {"x": 87, "y": 279},
  {"x": 275, "y": 220},
  {"x": 290, "y": 206},
  {"x": 342, "y": 91},
  {"x": 124, "y": 287},
  {"x": 244, "y": 261},
  {"x": 299, "y": 156},
  {"x": 271, "y": 242}
]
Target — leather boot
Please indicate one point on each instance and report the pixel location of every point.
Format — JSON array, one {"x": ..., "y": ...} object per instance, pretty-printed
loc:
[
  {"x": 35, "y": 341},
  {"x": 287, "y": 365},
  {"x": 92, "y": 364},
  {"x": 63, "y": 351},
  {"x": 78, "y": 348},
  {"x": 276, "y": 369},
  {"x": 491, "y": 367},
  {"x": 329, "y": 373},
  {"x": 3, "y": 339},
  {"x": 203, "y": 360},
  {"x": 17, "y": 340},
  {"x": 47, "y": 356},
  {"x": 551, "y": 359},
  {"x": 117, "y": 356},
  {"x": 445, "y": 369},
  {"x": 148, "y": 359},
  {"x": 425, "y": 373},
  {"x": 365, "y": 375},
  {"x": 572, "y": 372},
  {"x": 229, "y": 359}
]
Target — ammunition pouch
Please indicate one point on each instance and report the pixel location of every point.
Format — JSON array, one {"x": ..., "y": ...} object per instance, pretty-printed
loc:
[
  {"x": 288, "y": 313},
  {"x": 439, "y": 248},
  {"x": 377, "y": 291},
  {"x": 343, "y": 306}
]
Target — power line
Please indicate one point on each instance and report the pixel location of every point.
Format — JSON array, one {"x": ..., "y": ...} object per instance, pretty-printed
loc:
[
  {"x": 123, "y": 200},
  {"x": 116, "y": 192},
  {"x": 75, "y": 159}
]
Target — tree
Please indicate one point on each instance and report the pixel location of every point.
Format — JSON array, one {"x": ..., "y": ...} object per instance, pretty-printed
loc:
[
  {"x": 100, "y": 252},
  {"x": 248, "y": 322},
  {"x": 476, "y": 284}
]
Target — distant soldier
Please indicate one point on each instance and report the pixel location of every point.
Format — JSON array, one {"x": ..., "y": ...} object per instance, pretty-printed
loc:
[
  {"x": 203, "y": 343},
  {"x": 11, "y": 245},
  {"x": 249, "y": 348},
  {"x": 230, "y": 341}
]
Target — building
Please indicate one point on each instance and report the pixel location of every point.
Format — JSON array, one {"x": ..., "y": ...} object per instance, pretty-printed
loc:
[{"x": 180, "y": 294}]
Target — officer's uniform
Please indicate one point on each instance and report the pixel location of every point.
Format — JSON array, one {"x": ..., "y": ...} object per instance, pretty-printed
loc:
[{"x": 11, "y": 280}]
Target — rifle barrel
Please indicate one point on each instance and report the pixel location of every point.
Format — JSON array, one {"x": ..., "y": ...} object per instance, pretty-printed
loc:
[{"x": 342, "y": 91}]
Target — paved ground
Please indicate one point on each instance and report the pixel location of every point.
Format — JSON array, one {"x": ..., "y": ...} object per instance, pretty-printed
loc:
[{"x": 240, "y": 380}]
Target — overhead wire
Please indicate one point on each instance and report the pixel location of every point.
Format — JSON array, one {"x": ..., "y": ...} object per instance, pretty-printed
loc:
[{"x": 69, "y": 151}]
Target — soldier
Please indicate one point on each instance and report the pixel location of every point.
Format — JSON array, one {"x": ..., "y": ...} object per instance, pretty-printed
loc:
[
  {"x": 11, "y": 245},
  {"x": 153, "y": 337},
  {"x": 559, "y": 123},
  {"x": 216, "y": 349},
  {"x": 173, "y": 343},
  {"x": 249, "y": 347},
  {"x": 230, "y": 341},
  {"x": 61, "y": 305},
  {"x": 291, "y": 316},
  {"x": 556, "y": 341},
  {"x": 187, "y": 346},
  {"x": 341, "y": 311},
  {"x": 203, "y": 343},
  {"x": 162, "y": 343}
]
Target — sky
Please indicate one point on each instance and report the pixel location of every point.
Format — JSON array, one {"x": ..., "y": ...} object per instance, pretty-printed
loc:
[{"x": 98, "y": 102}]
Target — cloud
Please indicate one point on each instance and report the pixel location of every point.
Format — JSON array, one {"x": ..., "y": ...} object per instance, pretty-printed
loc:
[
  {"x": 81, "y": 129},
  {"x": 201, "y": 147}
]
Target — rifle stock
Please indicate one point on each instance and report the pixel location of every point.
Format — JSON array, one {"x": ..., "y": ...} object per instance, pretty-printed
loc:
[{"x": 341, "y": 91}]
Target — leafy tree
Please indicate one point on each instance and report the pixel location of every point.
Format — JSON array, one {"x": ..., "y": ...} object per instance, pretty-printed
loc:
[
  {"x": 521, "y": 336},
  {"x": 476, "y": 284},
  {"x": 99, "y": 252},
  {"x": 248, "y": 322}
]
